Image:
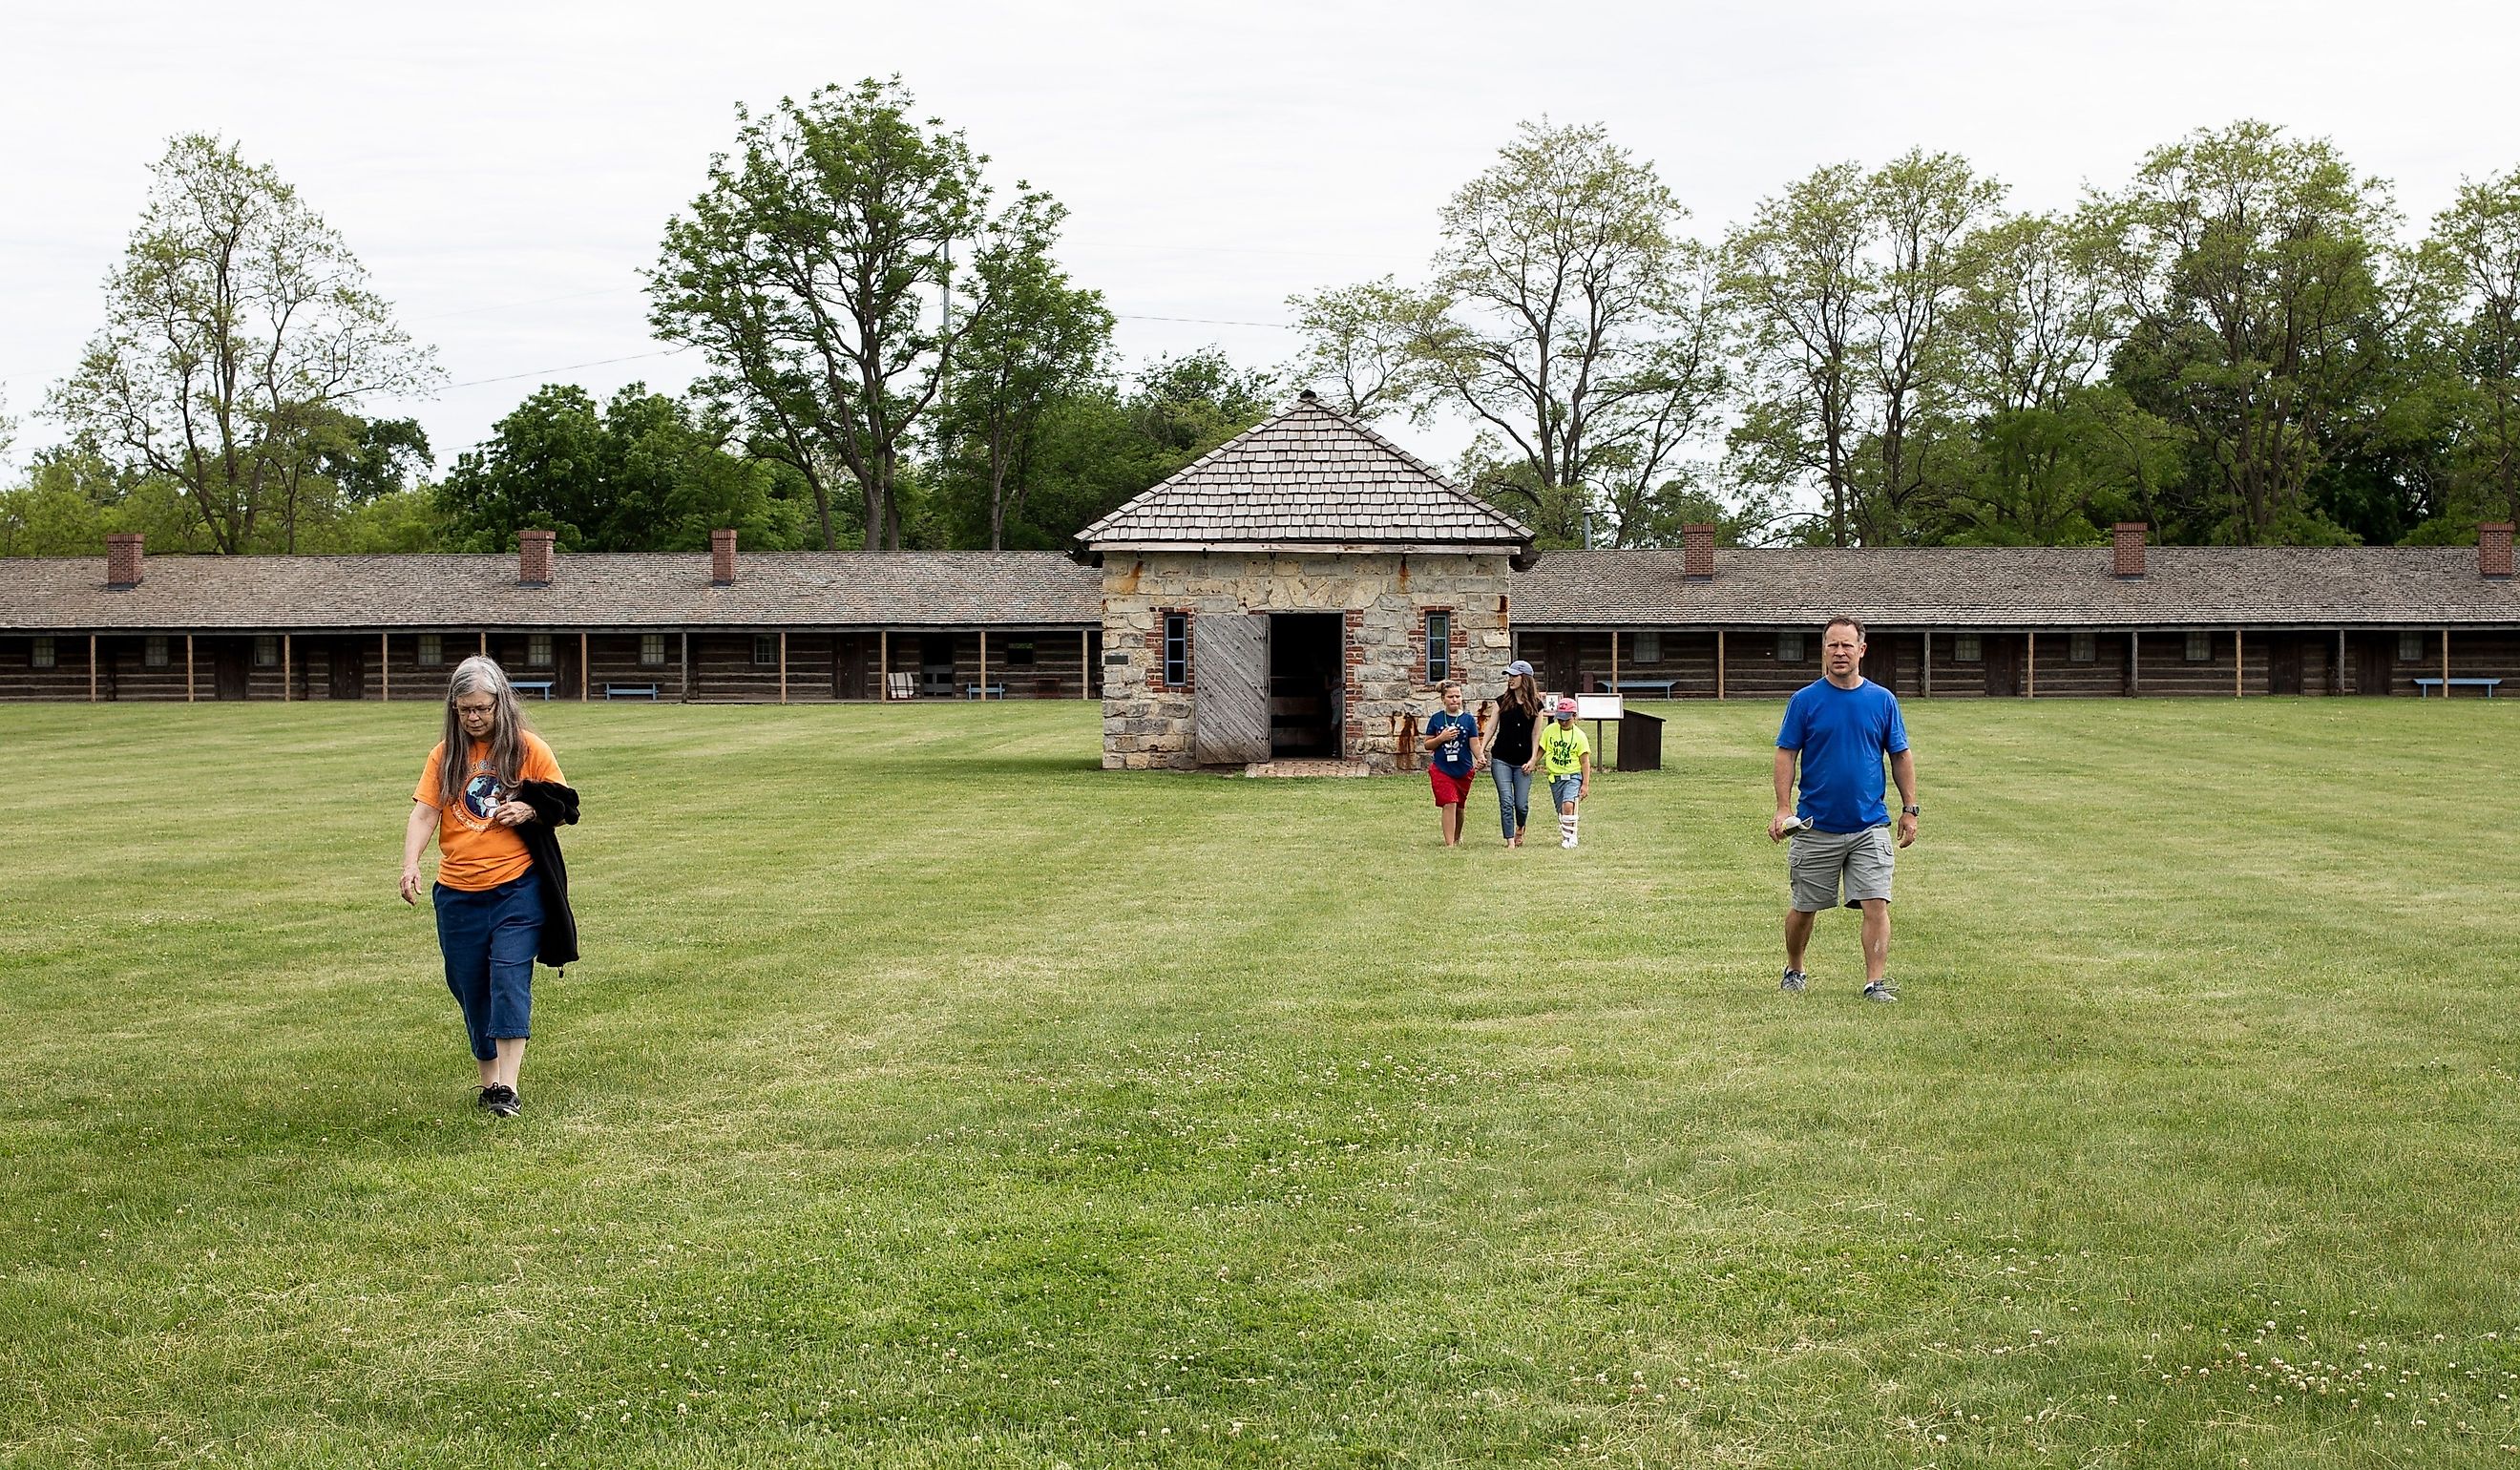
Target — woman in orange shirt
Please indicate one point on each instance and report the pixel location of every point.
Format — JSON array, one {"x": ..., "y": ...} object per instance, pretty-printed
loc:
[{"x": 489, "y": 899}]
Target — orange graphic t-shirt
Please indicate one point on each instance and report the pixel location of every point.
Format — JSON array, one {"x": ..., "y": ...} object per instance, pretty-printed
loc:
[{"x": 474, "y": 852}]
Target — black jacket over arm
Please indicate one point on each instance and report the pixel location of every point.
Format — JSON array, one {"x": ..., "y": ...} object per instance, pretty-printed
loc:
[{"x": 554, "y": 807}]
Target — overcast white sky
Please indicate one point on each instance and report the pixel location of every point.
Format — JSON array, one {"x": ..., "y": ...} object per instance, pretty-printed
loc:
[{"x": 503, "y": 169}]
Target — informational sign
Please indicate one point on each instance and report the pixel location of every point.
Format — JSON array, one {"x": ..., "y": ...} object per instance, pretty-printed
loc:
[{"x": 1598, "y": 706}]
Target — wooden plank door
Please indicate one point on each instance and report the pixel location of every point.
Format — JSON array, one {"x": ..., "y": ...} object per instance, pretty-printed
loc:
[
  {"x": 2002, "y": 664},
  {"x": 349, "y": 667},
  {"x": 1881, "y": 661},
  {"x": 1230, "y": 722},
  {"x": 2283, "y": 664}
]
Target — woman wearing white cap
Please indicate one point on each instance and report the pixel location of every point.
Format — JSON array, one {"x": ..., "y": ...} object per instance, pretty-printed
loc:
[{"x": 1511, "y": 755}]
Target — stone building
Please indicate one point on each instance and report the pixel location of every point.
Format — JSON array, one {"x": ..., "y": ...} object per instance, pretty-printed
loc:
[{"x": 1298, "y": 594}]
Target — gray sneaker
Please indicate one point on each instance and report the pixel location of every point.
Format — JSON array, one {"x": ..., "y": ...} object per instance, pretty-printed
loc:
[
  {"x": 1792, "y": 984},
  {"x": 1882, "y": 991}
]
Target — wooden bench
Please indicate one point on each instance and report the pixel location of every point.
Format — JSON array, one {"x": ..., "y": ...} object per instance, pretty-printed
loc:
[
  {"x": 1666, "y": 686},
  {"x": 646, "y": 691},
  {"x": 540, "y": 686},
  {"x": 2426, "y": 686},
  {"x": 984, "y": 691}
]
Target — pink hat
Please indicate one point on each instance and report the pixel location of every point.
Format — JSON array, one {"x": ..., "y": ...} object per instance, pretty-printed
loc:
[{"x": 1566, "y": 707}]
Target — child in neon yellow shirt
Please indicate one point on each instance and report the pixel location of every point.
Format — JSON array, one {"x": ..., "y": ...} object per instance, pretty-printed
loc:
[{"x": 1568, "y": 757}]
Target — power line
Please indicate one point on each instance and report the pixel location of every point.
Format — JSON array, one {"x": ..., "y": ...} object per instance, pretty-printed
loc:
[
  {"x": 600, "y": 362},
  {"x": 1129, "y": 316}
]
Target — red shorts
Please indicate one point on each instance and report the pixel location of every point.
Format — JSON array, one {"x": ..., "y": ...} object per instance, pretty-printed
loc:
[{"x": 1450, "y": 790}]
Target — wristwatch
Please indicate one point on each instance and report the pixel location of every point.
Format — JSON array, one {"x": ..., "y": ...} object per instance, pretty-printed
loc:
[{"x": 1912, "y": 810}]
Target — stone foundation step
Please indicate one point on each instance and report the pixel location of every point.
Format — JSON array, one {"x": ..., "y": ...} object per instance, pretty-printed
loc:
[{"x": 1307, "y": 767}]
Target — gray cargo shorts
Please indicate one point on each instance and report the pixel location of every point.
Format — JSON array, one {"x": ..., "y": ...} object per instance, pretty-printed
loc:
[{"x": 1825, "y": 862}]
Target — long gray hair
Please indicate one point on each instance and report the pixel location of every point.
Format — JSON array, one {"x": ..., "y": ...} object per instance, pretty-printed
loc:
[{"x": 481, "y": 675}]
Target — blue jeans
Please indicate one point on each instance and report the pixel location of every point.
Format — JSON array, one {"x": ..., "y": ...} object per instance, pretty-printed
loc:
[
  {"x": 1514, "y": 796},
  {"x": 489, "y": 939}
]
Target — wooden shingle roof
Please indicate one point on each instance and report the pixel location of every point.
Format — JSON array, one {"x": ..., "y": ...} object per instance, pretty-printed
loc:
[
  {"x": 619, "y": 590},
  {"x": 1994, "y": 587},
  {"x": 1308, "y": 478}
]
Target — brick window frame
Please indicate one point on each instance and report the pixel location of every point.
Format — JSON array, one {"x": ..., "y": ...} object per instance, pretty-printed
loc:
[
  {"x": 1428, "y": 672},
  {"x": 1160, "y": 675}
]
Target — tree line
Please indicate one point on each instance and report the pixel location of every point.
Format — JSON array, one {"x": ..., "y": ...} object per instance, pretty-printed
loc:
[{"x": 2238, "y": 344}]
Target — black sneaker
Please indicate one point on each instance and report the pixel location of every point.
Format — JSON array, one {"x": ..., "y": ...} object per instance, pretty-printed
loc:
[
  {"x": 500, "y": 1100},
  {"x": 1881, "y": 991},
  {"x": 1792, "y": 984}
]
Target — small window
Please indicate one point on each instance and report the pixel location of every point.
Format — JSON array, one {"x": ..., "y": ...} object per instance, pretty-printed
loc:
[
  {"x": 266, "y": 651},
  {"x": 652, "y": 650},
  {"x": 1646, "y": 648},
  {"x": 1790, "y": 648},
  {"x": 152, "y": 654},
  {"x": 432, "y": 650},
  {"x": 1175, "y": 650},
  {"x": 2410, "y": 648},
  {"x": 538, "y": 651},
  {"x": 47, "y": 654},
  {"x": 1967, "y": 648},
  {"x": 1020, "y": 654},
  {"x": 1439, "y": 647},
  {"x": 765, "y": 650},
  {"x": 2200, "y": 647},
  {"x": 2083, "y": 648}
]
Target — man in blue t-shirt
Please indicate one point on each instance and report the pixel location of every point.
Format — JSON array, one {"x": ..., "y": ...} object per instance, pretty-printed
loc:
[{"x": 1839, "y": 729}]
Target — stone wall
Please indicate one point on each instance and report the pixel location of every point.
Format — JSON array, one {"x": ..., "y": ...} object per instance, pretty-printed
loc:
[{"x": 1385, "y": 600}]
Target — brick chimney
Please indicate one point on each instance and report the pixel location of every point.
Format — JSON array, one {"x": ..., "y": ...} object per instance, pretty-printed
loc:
[
  {"x": 1697, "y": 552},
  {"x": 122, "y": 558},
  {"x": 2130, "y": 548},
  {"x": 2492, "y": 550},
  {"x": 535, "y": 557},
  {"x": 721, "y": 559}
]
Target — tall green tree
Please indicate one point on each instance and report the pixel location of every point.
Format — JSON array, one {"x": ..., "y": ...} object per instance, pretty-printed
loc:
[
  {"x": 237, "y": 327},
  {"x": 1046, "y": 342},
  {"x": 2473, "y": 258},
  {"x": 813, "y": 273},
  {"x": 1841, "y": 288},
  {"x": 1567, "y": 314},
  {"x": 2256, "y": 272},
  {"x": 644, "y": 472}
]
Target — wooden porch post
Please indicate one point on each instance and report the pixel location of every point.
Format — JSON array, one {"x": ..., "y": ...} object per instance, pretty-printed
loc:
[
  {"x": 91, "y": 668},
  {"x": 2338, "y": 685},
  {"x": 884, "y": 663},
  {"x": 585, "y": 676},
  {"x": 984, "y": 664},
  {"x": 2135, "y": 661},
  {"x": 1614, "y": 664},
  {"x": 2445, "y": 663},
  {"x": 1085, "y": 659},
  {"x": 2238, "y": 663},
  {"x": 1929, "y": 663},
  {"x": 684, "y": 694},
  {"x": 783, "y": 665},
  {"x": 1719, "y": 663},
  {"x": 2029, "y": 689},
  {"x": 287, "y": 679},
  {"x": 385, "y": 665},
  {"x": 188, "y": 668},
  {"x": 485, "y": 642}
]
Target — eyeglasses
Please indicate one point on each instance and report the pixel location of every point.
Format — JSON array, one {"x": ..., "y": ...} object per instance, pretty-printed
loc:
[{"x": 477, "y": 709}]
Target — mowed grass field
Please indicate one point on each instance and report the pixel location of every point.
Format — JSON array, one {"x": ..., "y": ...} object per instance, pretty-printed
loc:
[{"x": 930, "y": 1096}]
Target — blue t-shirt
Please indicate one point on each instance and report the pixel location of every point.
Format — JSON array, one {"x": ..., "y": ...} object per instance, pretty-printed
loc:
[
  {"x": 1843, "y": 735},
  {"x": 1450, "y": 735}
]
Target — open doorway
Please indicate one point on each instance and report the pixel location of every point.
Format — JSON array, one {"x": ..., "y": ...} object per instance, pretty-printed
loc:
[{"x": 1307, "y": 684}]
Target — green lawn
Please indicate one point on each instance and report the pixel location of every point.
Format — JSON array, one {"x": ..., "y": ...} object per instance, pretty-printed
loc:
[{"x": 930, "y": 1096}]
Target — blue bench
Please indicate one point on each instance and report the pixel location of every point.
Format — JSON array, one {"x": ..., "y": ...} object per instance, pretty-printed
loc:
[
  {"x": 646, "y": 691},
  {"x": 984, "y": 691},
  {"x": 2424, "y": 687},
  {"x": 540, "y": 686},
  {"x": 1622, "y": 685}
]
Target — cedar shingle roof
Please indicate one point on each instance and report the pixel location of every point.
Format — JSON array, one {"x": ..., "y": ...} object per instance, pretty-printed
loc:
[
  {"x": 622, "y": 590},
  {"x": 1991, "y": 587},
  {"x": 1311, "y": 476},
  {"x": 2020, "y": 586}
]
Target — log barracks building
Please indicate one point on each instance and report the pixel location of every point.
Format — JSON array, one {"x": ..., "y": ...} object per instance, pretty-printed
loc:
[{"x": 1457, "y": 584}]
